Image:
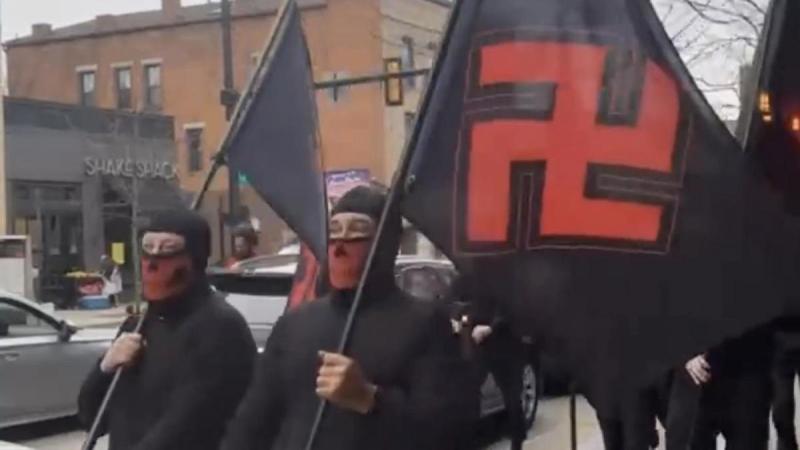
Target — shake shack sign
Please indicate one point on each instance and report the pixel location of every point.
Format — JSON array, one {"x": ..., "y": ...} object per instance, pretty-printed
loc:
[{"x": 130, "y": 168}]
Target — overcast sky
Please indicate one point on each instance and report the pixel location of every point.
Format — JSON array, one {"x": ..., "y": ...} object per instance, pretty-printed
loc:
[
  {"x": 19, "y": 15},
  {"x": 721, "y": 67}
]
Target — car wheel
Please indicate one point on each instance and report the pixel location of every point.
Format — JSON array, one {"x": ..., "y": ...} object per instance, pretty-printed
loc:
[{"x": 530, "y": 393}]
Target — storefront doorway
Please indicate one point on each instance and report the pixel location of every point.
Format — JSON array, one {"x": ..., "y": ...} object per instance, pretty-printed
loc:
[{"x": 50, "y": 214}]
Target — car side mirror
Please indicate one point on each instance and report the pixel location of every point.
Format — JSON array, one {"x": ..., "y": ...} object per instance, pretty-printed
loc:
[{"x": 65, "y": 331}]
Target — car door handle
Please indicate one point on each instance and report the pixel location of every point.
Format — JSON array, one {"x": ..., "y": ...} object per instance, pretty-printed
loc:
[{"x": 9, "y": 356}]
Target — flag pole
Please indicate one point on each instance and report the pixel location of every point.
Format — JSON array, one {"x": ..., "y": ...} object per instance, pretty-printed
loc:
[
  {"x": 430, "y": 100},
  {"x": 573, "y": 420}
]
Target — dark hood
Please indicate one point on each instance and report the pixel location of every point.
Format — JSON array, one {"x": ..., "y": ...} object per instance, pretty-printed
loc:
[
  {"x": 192, "y": 226},
  {"x": 194, "y": 229},
  {"x": 371, "y": 200}
]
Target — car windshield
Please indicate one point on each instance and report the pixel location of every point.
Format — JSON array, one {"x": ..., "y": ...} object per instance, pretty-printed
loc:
[{"x": 426, "y": 283}]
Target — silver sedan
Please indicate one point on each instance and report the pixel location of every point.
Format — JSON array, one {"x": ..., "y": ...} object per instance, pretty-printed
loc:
[{"x": 43, "y": 361}]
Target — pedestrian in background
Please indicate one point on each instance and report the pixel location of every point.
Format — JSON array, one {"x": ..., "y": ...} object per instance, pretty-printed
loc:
[
  {"x": 112, "y": 279},
  {"x": 496, "y": 350},
  {"x": 245, "y": 242},
  {"x": 726, "y": 391}
]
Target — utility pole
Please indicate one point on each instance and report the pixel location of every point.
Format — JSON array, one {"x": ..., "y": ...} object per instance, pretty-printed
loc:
[
  {"x": 229, "y": 97},
  {"x": 3, "y": 206}
]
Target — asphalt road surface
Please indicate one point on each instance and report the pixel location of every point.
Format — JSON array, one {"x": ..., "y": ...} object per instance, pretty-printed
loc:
[{"x": 551, "y": 431}]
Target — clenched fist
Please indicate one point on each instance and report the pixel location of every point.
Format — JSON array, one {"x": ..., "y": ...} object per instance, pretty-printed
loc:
[
  {"x": 341, "y": 382},
  {"x": 122, "y": 353}
]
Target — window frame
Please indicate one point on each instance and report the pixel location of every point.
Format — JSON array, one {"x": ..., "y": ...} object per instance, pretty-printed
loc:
[
  {"x": 408, "y": 60},
  {"x": 82, "y": 93},
  {"x": 194, "y": 159},
  {"x": 118, "y": 87},
  {"x": 152, "y": 101}
]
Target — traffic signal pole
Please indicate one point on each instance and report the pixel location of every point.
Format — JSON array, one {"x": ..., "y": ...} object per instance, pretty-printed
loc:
[
  {"x": 229, "y": 98},
  {"x": 219, "y": 159}
]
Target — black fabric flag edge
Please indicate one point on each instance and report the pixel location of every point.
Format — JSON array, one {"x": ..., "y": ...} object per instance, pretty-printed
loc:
[{"x": 307, "y": 216}]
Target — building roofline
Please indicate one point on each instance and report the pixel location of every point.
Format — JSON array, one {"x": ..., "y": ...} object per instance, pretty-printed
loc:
[
  {"x": 30, "y": 41},
  {"x": 72, "y": 106}
]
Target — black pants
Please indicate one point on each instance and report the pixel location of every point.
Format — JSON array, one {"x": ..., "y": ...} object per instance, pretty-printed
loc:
[
  {"x": 507, "y": 372},
  {"x": 503, "y": 357},
  {"x": 787, "y": 367},
  {"x": 634, "y": 427},
  {"x": 734, "y": 405}
]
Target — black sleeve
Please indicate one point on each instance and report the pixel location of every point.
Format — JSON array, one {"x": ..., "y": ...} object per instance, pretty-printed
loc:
[
  {"x": 95, "y": 386},
  {"x": 209, "y": 387},
  {"x": 260, "y": 415},
  {"x": 425, "y": 403}
]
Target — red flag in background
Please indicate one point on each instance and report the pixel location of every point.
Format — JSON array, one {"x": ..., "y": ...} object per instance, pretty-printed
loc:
[{"x": 304, "y": 286}]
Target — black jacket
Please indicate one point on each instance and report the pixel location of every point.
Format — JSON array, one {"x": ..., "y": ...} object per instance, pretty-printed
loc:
[
  {"x": 750, "y": 352},
  {"x": 403, "y": 345},
  {"x": 193, "y": 371}
]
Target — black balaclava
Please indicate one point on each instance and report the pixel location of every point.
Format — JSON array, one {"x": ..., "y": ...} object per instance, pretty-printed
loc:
[
  {"x": 194, "y": 229},
  {"x": 370, "y": 201}
]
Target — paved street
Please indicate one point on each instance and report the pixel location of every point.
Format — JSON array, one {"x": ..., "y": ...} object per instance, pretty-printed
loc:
[{"x": 551, "y": 431}]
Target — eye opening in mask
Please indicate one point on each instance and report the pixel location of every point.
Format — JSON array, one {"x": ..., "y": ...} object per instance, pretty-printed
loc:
[
  {"x": 163, "y": 245},
  {"x": 334, "y": 241},
  {"x": 351, "y": 227},
  {"x": 163, "y": 254}
]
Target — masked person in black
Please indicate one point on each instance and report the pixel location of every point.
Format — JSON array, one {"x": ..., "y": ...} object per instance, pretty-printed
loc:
[
  {"x": 496, "y": 350},
  {"x": 725, "y": 391},
  {"x": 187, "y": 369},
  {"x": 389, "y": 392}
]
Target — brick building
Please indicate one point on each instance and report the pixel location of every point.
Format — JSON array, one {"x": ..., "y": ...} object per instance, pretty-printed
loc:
[
  {"x": 73, "y": 175},
  {"x": 170, "y": 61}
]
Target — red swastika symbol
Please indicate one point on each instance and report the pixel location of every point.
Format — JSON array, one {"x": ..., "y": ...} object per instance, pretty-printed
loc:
[{"x": 567, "y": 144}]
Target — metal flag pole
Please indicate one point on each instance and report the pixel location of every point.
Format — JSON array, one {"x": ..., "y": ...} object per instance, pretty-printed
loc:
[
  {"x": 431, "y": 102},
  {"x": 573, "y": 420}
]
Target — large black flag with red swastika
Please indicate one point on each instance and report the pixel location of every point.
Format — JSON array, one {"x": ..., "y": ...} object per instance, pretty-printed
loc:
[{"x": 572, "y": 170}]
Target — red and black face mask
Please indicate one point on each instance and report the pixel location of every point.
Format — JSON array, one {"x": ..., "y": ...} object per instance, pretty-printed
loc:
[
  {"x": 350, "y": 240},
  {"x": 166, "y": 266},
  {"x": 165, "y": 277}
]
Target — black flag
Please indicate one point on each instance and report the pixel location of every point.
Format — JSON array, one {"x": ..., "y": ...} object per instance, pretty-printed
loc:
[
  {"x": 273, "y": 136},
  {"x": 570, "y": 167}
]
